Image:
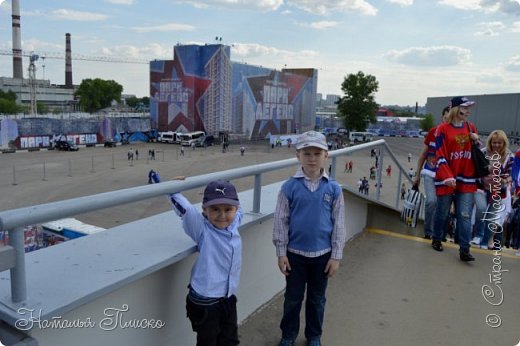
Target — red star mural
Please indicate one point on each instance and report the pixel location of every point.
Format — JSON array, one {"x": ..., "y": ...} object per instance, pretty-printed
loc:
[{"x": 178, "y": 106}]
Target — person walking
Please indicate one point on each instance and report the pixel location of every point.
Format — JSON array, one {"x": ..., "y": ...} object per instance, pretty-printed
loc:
[
  {"x": 455, "y": 176},
  {"x": 498, "y": 189},
  {"x": 426, "y": 165}
]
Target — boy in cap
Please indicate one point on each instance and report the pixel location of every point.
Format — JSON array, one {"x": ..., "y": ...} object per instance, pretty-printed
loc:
[
  {"x": 309, "y": 236},
  {"x": 211, "y": 301}
]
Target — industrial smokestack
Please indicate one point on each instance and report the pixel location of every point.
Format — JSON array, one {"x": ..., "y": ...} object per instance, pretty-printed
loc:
[
  {"x": 68, "y": 63},
  {"x": 17, "y": 41}
]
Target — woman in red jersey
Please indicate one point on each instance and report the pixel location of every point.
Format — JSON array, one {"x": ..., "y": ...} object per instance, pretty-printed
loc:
[{"x": 455, "y": 180}]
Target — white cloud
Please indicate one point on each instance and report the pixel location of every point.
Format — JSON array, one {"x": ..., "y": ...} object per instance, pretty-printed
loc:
[
  {"x": 430, "y": 56},
  {"x": 462, "y": 4},
  {"x": 516, "y": 27},
  {"x": 324, "y": 24},
  {"x": 514, "y": 64},
  {"x": 121, "y": 2},
  {"x": 505, "y": 6},
  {"x": 401, "y": 2},
  {"x": 150, "y": 51},
  {"x": 64, "y": 14},
  {"x": 40, "y": 46},
  {"x": 490, "y": 79},
  {"x": 472, "y": 5},
  {"x": 35, "y": 13},
  {"x": 491, "y": 29},
  {"x": 164, "y": 28},
  {"x": 323, "y": 7},
  {"x": 262, "y": 5},
  {"x": 270, "y": 56}
]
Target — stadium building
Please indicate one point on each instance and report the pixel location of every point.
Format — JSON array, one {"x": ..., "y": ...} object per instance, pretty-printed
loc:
[{"x": 490, "y": 112}]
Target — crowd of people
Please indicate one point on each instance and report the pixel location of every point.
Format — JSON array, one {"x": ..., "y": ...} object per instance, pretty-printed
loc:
[
  {"x": 478, "y": 211},
  {"x": 134, "y": 154},
  {"x": 309, "y": 229}
]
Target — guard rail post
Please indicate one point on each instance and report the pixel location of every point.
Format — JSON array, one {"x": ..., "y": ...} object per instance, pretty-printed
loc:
[{"x": 18, "y": 281}]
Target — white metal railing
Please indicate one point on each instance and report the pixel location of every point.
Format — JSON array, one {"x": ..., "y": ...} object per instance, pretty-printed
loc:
[{"x": 14, "y": 220}]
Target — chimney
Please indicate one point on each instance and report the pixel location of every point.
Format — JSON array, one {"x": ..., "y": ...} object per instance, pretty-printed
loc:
[
  {"x": 68, "y": 63},
  {"x": 17, "y": 41}
]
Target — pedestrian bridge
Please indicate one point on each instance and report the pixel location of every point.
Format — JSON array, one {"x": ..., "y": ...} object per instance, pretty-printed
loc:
[{"x": 127, "y": 286}]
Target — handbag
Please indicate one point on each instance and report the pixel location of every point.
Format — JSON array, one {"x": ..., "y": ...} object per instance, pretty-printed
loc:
[
  {"x": 479, "y": 159},
  {"x": 411, "y": 207}
]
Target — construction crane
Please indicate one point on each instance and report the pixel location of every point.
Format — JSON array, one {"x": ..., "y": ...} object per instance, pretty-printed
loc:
[
  {"x": 32, "y": 83},
  {"x": 57, "y": 55},
  {"x": 35, "y": 56}
]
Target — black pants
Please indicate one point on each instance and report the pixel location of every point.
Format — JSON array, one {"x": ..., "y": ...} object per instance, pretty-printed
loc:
[{"x": 215, "y": 324}]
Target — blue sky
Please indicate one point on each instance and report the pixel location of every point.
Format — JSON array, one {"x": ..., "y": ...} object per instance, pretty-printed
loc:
[{"x": 414, "y": 48}]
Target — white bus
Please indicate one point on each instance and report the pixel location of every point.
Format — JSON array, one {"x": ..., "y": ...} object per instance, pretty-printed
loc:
[
  {"x": 360, "y": 136},
  {"x": 169, "y": 137},
  {"x": 192, "y": 138}
]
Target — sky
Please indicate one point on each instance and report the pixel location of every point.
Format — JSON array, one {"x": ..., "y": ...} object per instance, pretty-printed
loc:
[{"x": 414, "y": 48}]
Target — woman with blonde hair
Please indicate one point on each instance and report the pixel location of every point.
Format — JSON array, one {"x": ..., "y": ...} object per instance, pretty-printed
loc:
[
  {"x": 455, "y": 180},
  {"x": 497, "y": 188}
]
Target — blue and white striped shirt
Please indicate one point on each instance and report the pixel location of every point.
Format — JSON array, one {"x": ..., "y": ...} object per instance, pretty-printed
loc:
[{"x": 216, "y": 272}]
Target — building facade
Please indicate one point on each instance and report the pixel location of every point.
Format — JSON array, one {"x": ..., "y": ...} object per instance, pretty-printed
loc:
[
  {"x": 55, "y": 97},
  {"x": 201, "y": 89},
  {"x": 490, "y": 112}
]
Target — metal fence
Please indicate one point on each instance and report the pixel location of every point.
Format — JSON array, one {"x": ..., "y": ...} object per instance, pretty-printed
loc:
[{"x": 12, "y": 257}]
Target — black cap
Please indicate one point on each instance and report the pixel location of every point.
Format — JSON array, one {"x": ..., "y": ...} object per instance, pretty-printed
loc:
[{"x": 220, "y": 192}]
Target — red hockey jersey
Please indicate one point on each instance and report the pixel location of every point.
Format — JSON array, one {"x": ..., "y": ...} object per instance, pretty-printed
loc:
[{"x": 453, "y": 154}]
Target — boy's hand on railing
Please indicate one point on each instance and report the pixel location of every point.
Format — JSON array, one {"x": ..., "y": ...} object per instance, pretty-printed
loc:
[{"x": 153, "y": 177}]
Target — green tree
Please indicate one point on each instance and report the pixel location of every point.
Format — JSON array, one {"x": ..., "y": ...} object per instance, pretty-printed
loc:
[
  {"x": 427, "y": 122},
  {"x": 96, "y": 94},
  {"x": 358, "y": 106},
  {"x": 8, "y": 106},
  {"x": 132, "y": 101},
  {"x": 10, "y": 95},
  {"x": 8, "y": 103},
  {"x": 146, "y": 101},
  {"x": 41, "y": 108}
]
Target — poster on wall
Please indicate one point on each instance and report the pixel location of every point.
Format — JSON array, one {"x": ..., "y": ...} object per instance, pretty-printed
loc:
[{"x": 202, "y": 90}]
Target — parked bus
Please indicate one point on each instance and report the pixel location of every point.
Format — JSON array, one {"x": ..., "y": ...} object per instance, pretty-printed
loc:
[
  {"x": 192, "y": 138},
  {"x": 360, "y": 136},
  {"x": 169, "y": 137}
]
